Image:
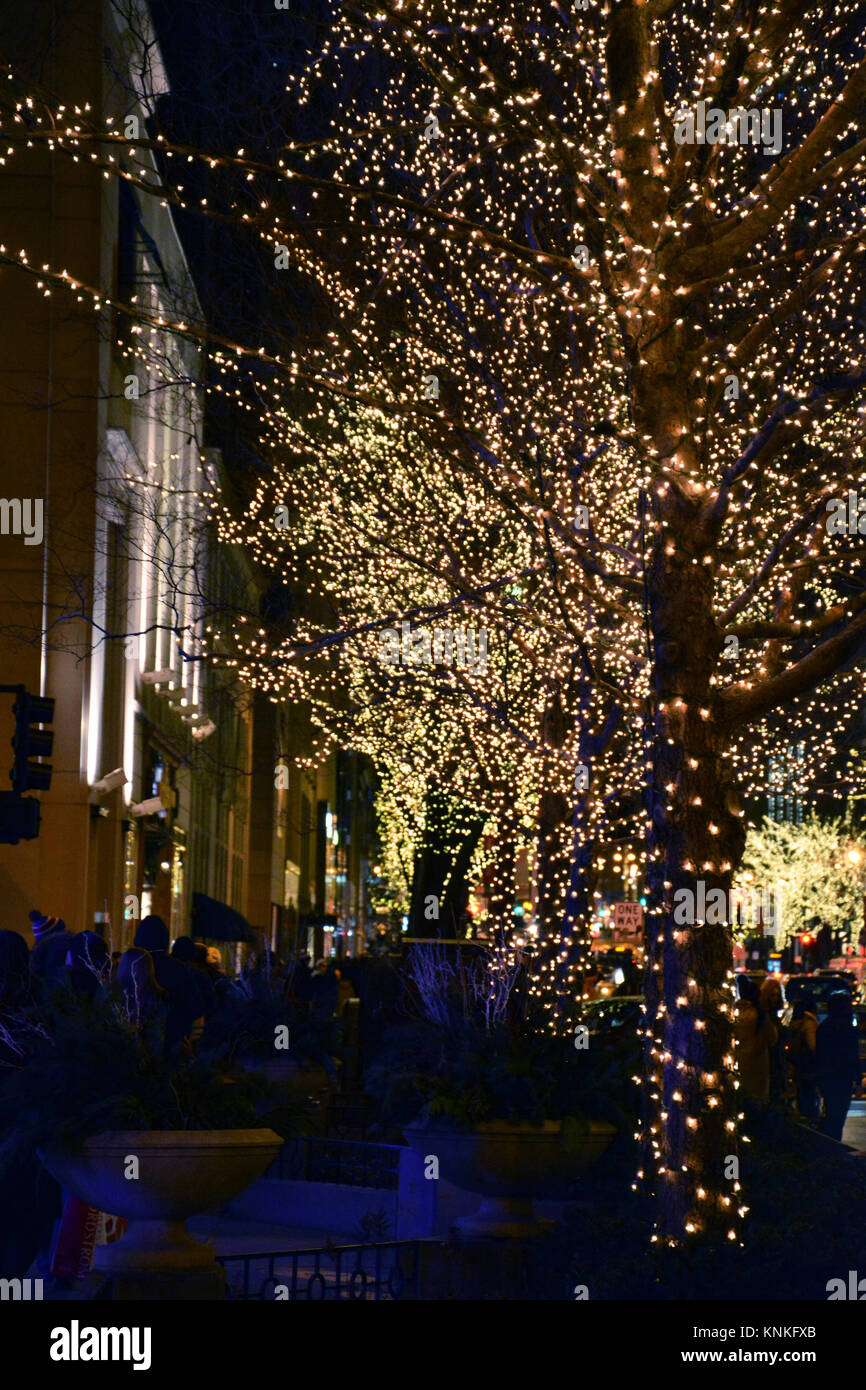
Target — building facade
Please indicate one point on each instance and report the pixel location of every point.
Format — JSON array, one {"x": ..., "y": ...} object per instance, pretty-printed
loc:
[{"x": 112, "y": 612}]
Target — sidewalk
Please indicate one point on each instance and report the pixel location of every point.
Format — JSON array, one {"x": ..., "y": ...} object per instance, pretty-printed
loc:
[
  {"x": 854, "y": 1133},
  {"x": 367, "y": 1273},
  {"x": 233, "y": 1237},
  {"x": 228, "y": 1237}
]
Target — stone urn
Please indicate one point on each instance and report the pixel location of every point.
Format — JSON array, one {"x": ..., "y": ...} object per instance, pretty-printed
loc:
[
  {"x": 510, "y": 1165},
  {"x": 157, "y": 1179}
]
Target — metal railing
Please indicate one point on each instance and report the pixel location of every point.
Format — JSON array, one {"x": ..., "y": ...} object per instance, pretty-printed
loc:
[
  {"x": 387, "y": 1271},
  {"x": 353, "y": 1163}
]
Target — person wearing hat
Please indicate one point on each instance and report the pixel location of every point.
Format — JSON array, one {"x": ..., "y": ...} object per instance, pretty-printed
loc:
[
  {"x": 186, "y": 1003},
  {"x": 193, "y": 954},
  {"x": 52, "y": 939}
]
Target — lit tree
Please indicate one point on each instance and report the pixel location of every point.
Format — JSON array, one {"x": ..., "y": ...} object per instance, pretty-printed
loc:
[
  {"x": 643, "y": 322},
  {"x": 408, "y": 563},
  {"x": 815, "y": 867}
]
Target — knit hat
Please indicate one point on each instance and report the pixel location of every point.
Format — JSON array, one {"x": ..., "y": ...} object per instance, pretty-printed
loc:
[
  {"x": 152, "y": 934},
  {"x": 87, "y": 950},
  {"x": 184, "y": 949},
  {"x": 43, "y": 926}
]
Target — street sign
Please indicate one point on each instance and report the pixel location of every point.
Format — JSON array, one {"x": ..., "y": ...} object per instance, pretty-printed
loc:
[{"x": 627, "y": 923}]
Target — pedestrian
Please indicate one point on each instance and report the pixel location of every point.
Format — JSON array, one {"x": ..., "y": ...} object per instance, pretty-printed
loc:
[
  {"x": 756, "y": 1035},
  {"x": 837, "y": 1062},
  {"x": 302, "y": 978},
  {"x": 51, "y": 940},
  {"x": 14, "y": 971},
  {"x": 590, "y": 983},
  {"x": 194, "y": 954},
  {"x": 802, "y": 1044},
  {"x": 345, "y": 991},
  {"x": 771, "y": 1001},
  {"x": 186, "y": 1004},
  {"x": 324, "y": 989},
  {"x": 16, "y": 996},
  {"x": 87, "y": 963},
  {"x": 214, "y": 963},
  {"x": 224, "y": 987},
  {"x": 29, "y": 1196},
  {"x": 144, "y": 998}
]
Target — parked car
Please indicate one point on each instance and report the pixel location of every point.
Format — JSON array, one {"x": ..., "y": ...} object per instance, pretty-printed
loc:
[
  {"x": 846, "y": 977},
  {"x": 606, "y": 1015},
  {"x": 820, "y": 985}
]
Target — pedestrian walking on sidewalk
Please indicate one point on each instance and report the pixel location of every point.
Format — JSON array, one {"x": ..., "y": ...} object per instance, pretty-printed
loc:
[
  {"x": 51, "y": 940},
  {"x": 771, "y": 1000},
  {"x": 756, "y": 1036},
  {"x": 802, "y": 1044},
  {"x": 838, "y": 1062},
  {"x": 186, "y": 1004}
]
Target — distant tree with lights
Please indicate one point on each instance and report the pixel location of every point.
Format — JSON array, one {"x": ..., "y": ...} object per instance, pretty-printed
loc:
[
  {"x": 816, "y": 868},
  {"x": 602, "y": 267}
]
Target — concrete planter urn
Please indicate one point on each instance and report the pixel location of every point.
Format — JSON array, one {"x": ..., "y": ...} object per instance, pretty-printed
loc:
[
  {"x": 509, "y": 1165},
  {"x": 179, "y": 1174}
]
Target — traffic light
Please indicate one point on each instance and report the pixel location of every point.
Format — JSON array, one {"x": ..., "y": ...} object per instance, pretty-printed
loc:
[
  {"x": 20, "y": 815},
  {"x": 19, "y": 818},
  {"x": 30, "y": 743}
]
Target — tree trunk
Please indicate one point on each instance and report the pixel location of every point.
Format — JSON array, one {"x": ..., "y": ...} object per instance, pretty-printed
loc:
[
  {"x": 696, "y": 838},
  {"x": 565, "y": 882},
  {"x": 440, "y": 867}
]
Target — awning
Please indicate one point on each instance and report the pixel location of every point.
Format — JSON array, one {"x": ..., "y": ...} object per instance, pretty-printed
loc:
[{"x": 217, "y": 921}]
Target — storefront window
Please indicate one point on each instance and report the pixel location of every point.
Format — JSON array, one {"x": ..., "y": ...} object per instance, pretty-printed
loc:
[{"x": 178, "y": 925}]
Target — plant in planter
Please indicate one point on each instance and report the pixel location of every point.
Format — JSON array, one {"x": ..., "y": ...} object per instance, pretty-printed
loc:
[
  {"x": 253, "y": 1016},
  {"x": 509, "y": 1111},
  {"x": 91, "y": 1087}
]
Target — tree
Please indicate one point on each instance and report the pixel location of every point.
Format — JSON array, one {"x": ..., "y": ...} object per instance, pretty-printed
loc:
[
  {"x": 627, "y": 245},
  {"x": 811, "y": 867}
]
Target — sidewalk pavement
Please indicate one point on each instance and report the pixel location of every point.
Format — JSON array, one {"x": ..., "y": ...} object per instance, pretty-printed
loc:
[
  {"x": 233, "y": 1237},
  {"x": 228, "y": 1237},
  {"x": 854, "y": 1133}
]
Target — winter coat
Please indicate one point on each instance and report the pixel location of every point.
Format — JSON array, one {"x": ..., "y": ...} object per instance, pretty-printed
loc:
[
  {"x": 755, "y": 1034},
  {"x": 838, "y": 1053},
  {"x": 48, "y": 957},
  {"x": 802, "y": 1042}
]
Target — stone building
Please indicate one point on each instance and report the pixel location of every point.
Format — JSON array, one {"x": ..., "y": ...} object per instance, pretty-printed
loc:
[{"x": 101, "y": 420}]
